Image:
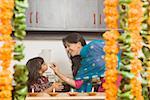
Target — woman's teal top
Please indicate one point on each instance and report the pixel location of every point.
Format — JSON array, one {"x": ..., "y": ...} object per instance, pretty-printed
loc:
[{"x": 92, "y": 64}]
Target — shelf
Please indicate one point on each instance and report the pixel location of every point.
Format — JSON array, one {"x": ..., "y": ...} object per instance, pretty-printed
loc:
[{"x": 70, "y": 29}]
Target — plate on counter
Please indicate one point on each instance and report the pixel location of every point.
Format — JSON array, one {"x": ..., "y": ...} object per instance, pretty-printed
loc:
[
  {"x": 72, "y": 93},
  {"x": 53, "y": 94},
  {"x": 32, "y": 94}
]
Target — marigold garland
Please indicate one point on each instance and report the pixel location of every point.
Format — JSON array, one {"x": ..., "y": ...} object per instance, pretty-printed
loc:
[
  {"x": 6, "y": 49},
  {"x": 111, "y": 14},
  {"x": 111, "y": 59},
  {"x": 135, "y": 16},
  {"x": 111, "y": 48}
]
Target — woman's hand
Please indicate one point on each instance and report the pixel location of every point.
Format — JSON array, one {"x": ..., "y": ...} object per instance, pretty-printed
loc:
[
  {"x": 58, "y": 86},
  {"x": 54, "y": 67},
  {"x": 61, "y": 76}
]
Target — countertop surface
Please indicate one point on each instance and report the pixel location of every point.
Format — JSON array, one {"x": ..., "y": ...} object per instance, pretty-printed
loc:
[{"x": 65, "y": 96}]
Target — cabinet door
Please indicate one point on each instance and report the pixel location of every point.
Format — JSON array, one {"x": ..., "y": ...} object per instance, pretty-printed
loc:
[
  {"x": 50, "y": 14},
  {"x": 81, "y": 14},
  {"x": 101, "y": 23},
  {"x": 30, "y": 14}
]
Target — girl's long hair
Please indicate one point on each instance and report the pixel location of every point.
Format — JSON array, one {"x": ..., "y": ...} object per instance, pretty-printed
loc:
[
  {"x": 34, "y": 65},
  {"x": 76, "y": 60}
]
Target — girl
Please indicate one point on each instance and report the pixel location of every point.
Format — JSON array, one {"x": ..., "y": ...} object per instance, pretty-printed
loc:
[
  {"x": 37, "y": 81},
  {"x": 92, "y": 65}
]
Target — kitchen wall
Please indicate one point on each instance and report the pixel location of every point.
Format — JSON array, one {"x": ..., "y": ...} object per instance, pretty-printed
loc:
[{"x": 58, "y": 54}]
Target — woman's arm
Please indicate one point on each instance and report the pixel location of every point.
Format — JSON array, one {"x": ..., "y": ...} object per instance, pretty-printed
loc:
[
  {"x": 74, "y": 83},
  {"x": 63, "y": 77},
  {"x": 66, "y": 79}
]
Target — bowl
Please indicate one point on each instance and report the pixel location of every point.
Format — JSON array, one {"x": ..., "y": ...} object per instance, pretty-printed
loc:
[
  {"x": 32, "y": 94},
  {"x": 72, "y": 93},
  {"x": 53, "y": 94},
  {"x": 92, "y": 93}
]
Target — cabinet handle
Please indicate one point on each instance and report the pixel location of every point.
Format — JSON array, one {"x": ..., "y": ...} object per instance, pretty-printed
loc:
[
  {"x": 100, "y": 19},
  {"x": 94, "y": 18},
  {"x": 37, "y": 20},
  {"x": 30, "y": 17}
]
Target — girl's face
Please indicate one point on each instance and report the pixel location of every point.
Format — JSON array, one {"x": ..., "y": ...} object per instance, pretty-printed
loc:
[
  {"x": 44, "y": 67},
  {"x": 73, "y": 48}
]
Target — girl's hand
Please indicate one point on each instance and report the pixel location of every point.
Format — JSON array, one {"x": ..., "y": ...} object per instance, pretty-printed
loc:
[
  {"x": 58, "y": 86},
  {"x": 54, "y": 68}
]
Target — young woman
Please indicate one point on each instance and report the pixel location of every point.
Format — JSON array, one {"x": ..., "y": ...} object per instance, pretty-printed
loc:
[
  {"x": 92, "y": 64},
  {"x": 38, "y": 82}
]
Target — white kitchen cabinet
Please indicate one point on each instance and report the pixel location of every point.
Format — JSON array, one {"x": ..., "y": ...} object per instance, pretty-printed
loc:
[
  {"x": 101, "y": 16},
  {"x": 51, "y": 14},
  {"x": 46, "y": 15},
  {"x": 31, "y": 14},
  {"x": 65, "y": 15},
  {"x": 82, "y": 14}
]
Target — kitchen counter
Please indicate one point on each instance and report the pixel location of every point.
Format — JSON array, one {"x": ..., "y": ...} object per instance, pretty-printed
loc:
[{"x": 65, "y": 96}]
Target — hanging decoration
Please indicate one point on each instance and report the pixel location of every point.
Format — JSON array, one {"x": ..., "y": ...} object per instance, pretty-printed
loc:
[
  {"x": 6, "y": 48},
  {"x": 111, "y": 14},
  {"x": 135, "y": 17},
  {"x": 131, "y": 16},
  {"x": 111, "y": 59},
  {"x": 111, "y": 48},
  {"x": 145, "y": 33},
  {"x": 21, "y": 72}
]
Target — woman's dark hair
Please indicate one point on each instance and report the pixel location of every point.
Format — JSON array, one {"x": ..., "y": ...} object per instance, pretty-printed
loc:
[
  {"x": 76, "y": 63},
  {"x": 74, "y": 38},
  {"x": 34, "y": 65},
  {"x": 76, "y": 60}
]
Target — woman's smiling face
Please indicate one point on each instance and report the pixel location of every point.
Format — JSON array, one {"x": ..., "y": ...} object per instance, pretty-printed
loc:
[{"x": 73, "y": 48}]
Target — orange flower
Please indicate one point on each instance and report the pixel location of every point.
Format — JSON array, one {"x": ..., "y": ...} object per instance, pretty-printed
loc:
[
  {"x": 6, "y": 4},
  {"x": 113, "y": 3},
  {"x": 5, "y": 94},
  {"x": 135, "y": 15},
  {"x": 6, "y": 13},
  {"x": 5, "y": 73}
]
